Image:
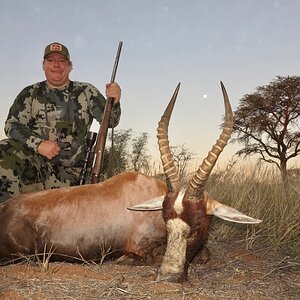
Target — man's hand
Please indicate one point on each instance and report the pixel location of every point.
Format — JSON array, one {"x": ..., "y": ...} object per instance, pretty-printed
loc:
[
  {"x": 113, "y": 90},
  {"x": 48, "y": 149}
]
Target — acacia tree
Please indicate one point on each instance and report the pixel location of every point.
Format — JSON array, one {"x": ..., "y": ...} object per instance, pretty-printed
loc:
[
  {"x": 267, "y": 122},
  {"x": 181, "y": 156},
  {"x": 139, "y": 157},
  {"x": 124, "y": 152},
  {"x": 117, "y": 152}
]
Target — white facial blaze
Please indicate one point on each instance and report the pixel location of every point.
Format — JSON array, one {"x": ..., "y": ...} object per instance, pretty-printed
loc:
[
  {"x": 178, "y": 202},
  {"x": 174, "y": 258}
]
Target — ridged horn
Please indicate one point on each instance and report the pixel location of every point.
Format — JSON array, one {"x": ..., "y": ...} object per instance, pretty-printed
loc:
[
  {"x": 163, "y": 143},
  {"x": 196, "y": 185}
]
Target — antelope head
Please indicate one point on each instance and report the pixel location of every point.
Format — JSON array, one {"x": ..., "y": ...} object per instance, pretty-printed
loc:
[{"x": 187, "y": 212}]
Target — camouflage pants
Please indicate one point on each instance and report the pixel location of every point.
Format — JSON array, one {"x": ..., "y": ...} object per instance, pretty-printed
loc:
[{"x": 20, "y": 167}]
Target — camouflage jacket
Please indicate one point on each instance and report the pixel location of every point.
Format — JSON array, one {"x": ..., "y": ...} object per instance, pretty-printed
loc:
[{"x": 63, "y": 116}]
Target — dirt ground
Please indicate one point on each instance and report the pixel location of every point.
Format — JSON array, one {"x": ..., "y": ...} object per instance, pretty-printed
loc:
[{"x": 231, "y": 273}]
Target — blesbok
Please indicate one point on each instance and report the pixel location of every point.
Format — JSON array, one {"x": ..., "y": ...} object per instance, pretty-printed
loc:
[
  {"x": 187, "y": 212},
  {"x": 83, "y": 221}
]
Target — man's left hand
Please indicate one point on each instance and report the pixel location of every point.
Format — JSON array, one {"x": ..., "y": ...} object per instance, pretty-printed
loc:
[{"x": 113, "y": 90}]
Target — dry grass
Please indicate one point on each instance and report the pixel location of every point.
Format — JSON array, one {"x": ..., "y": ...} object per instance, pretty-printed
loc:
[
  {"x": 232, "y": 273},
  {"x": 260, "y": 194}
]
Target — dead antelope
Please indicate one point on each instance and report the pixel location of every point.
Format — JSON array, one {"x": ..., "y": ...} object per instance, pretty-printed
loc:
[
  {"x": 187, "y": 213},
  {"x": 80, "y": 221}
]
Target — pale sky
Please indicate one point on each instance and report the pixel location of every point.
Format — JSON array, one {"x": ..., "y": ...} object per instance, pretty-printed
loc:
[{"x": 244, "y": 43}]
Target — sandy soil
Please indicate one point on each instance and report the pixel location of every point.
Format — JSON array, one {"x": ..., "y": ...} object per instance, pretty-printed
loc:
[{"x": 231, "y": 273}]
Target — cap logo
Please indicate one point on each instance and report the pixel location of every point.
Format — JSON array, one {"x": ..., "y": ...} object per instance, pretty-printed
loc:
[{"x": 56, "y": 47}]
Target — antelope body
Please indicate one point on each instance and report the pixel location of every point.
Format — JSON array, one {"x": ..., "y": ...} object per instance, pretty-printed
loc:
[{"x": 80, "y": 221}]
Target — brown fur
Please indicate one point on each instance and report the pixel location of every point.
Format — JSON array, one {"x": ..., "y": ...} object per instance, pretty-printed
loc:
[{"x": 78, "y": 221}]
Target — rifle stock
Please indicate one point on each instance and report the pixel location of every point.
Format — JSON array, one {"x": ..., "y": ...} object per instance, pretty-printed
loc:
[{"x": 102, "y": 135}]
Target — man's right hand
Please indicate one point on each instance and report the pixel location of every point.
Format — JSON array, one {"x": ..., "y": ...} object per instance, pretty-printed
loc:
[{"x": 48, "y": 149}]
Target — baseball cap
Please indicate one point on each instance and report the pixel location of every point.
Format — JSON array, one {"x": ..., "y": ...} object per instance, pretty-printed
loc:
[{"x": 57, "y": 48}]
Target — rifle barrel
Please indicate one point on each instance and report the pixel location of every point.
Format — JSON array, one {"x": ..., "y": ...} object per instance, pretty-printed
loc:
[
  {"x": 114, "y": 72},
  {"x": 101, "y": 140}
]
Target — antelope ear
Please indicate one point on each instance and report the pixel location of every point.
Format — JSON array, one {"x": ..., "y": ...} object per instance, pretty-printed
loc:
[
  {"x": 228, "y": 213},
  {"x": 152, "y": 204}
]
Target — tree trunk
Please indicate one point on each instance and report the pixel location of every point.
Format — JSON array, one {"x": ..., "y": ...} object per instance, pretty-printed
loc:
[{"x": 283, "y": 172}]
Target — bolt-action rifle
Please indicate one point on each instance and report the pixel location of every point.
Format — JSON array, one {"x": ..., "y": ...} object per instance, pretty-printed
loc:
[{"x": 101, "y": 140}]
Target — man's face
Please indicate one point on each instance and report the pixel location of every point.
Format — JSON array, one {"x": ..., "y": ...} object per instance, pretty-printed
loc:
[{"x": 57, "y": 69}]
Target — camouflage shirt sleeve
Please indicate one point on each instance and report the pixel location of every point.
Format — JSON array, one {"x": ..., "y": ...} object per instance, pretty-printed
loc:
[{"x": 17, "y": 125}]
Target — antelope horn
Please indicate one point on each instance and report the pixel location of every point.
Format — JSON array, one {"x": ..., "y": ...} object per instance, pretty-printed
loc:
[
  {"x": 196, "y": 185},
  {"x": 163, "y": 142}
]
